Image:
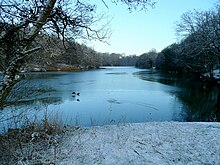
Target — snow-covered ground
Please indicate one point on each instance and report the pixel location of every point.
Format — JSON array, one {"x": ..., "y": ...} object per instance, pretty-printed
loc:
[
  {"x": 142, "y": 143},
  {"x": 152, "y": 143},
  {"x": 216, "y": 74}
]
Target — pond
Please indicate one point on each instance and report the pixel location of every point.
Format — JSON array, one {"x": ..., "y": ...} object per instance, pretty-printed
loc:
[{"x": 113, "y": 95}]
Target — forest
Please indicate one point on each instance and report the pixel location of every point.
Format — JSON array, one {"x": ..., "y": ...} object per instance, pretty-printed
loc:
[
  {"x": 74, "y": 57},
  {"x": 197, "y": 50}
]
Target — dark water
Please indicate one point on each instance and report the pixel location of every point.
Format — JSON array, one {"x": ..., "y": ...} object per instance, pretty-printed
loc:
[{"x": 113, "y": 95}]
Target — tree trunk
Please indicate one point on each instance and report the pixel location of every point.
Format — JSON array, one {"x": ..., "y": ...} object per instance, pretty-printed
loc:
[
  {"x": 10, "y": 73},
  {"x": 217, "y": 112},
  {"x": 9, "y": 79},
  {"x": 211, "y": 71}
]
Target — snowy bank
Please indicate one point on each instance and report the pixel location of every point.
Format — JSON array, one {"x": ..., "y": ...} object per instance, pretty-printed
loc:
[{"x": 142, "y": 143}]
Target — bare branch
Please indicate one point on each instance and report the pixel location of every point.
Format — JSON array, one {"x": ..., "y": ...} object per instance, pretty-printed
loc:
[
  {"x": 31, "y": 50},
  {"x": 105, "y": 4}
]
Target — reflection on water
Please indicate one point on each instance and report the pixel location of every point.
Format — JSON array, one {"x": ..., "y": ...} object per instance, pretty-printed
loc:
[
  {"x": 200, "y": 105},
  {"x": 117, "y": 94},
  {"x": 200, "y": 101}
]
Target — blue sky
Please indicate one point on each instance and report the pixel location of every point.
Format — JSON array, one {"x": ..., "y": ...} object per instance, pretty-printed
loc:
[{"x": 139, "y": 31}]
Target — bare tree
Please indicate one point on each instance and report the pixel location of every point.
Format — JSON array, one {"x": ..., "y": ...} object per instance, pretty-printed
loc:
[
  {"x": 147, "y": 60},
  {"x": 201, "y": 32}
]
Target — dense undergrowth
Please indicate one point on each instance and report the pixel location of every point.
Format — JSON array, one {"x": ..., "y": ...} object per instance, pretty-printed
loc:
[{"x": 24, "y": 145}]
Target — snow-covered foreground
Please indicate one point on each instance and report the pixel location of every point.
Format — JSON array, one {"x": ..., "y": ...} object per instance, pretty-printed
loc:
[{"x": 143, "y": 143}]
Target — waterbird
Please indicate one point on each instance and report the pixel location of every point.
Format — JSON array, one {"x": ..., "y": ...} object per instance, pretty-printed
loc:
[{"x": 74, "y": 93}]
